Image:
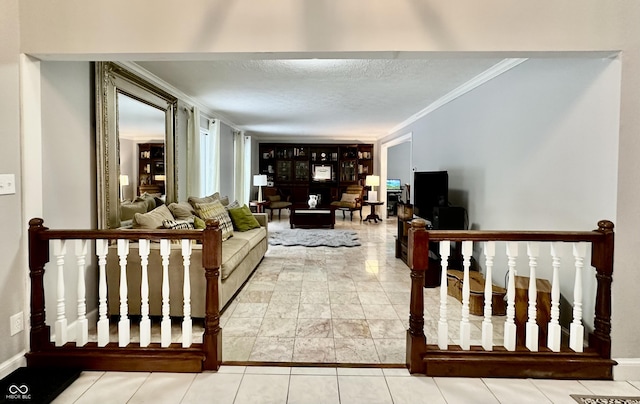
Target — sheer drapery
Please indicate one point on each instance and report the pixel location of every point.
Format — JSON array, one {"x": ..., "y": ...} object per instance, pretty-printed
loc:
[
  {"x": 242, "y": 166},
  {"x": 193, "y": 152}
]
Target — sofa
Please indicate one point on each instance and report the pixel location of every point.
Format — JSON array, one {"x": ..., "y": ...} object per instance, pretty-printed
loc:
[{"x": 242, "y": 251}]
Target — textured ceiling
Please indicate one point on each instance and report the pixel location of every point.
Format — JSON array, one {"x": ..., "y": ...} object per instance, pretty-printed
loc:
[{"x": 338, "y": 98}]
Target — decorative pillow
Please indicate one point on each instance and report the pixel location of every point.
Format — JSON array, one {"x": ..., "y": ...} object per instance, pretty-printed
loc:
[
  {"x": 149, "y": 200},
  {"x": 273, "y": 198},
  {"x": 224, "y": 201},
  {"x": 207, "y": 199},
  {"x": 349, "y": 198},
  {"x": 153, "y": 219},
  {"x": 181, "y": 210},
  {"x": 128, "y": 209},
  {"x": 233, "y": 205},
  {"x": 243, "y": 219},
  {"x": 178, "y": 224},
  {"x": 199, "y": 223},
  {"x": 214, "y": 210}
]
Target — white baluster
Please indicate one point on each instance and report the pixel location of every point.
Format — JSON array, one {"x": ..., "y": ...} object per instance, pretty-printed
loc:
[
  {"x": 102, "y": 247},
  {"x": 465, "y": 326},
  {"x": 554, "y": 333},
  {"x": 443, "y": 326},
  {"x": 124, "y": 330},
  {"x": 576, "y": 331},
  {"x": 509, "y": 324},
  {"x": 531, "y": 330},
  {"x": 487, "y": 325},
  {"x": 165, "y": 325},
  {"x": 187, "y": 326},
  {"x": 82, "y": 327},
  {"x": 60, "y": 250},
  {"x": 145, "y": 324}
]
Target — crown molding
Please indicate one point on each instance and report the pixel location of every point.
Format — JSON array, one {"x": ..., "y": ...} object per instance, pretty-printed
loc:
[
  {"x": 494, "y": 71},
  {"x": 147, "y": 75}
]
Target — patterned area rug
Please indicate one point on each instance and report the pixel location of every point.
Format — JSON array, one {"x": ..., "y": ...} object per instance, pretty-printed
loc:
[
  {"x": 605, "y": 399},
  {"x": 314, "y": 238}
]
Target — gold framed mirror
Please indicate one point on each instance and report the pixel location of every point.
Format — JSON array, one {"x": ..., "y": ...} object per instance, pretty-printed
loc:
[{"x": 116, "y": 85}]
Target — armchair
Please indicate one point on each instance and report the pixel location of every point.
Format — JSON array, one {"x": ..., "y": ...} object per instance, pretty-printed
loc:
[
  {"x": 351, "y": 200},
  {"x": 275, "y": 200}
]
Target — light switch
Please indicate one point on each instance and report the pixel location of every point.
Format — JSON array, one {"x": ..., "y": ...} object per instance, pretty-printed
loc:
[{"x": 7, "y": 184}]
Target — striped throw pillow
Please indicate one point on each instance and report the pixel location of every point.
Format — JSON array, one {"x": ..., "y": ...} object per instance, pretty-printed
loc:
[
  {"x": 178, "y": 224},
  {"x": 214, "y": 210}
]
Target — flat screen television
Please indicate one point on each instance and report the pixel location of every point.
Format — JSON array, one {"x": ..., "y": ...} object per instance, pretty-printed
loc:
[
  {"x": 393, "y": 185},
  {"x": 430, "y": 189},
  {"x": 322, "y": 173}
]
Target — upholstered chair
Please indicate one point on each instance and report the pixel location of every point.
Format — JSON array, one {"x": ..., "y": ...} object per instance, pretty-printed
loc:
[
  {"x": 275, "y": 201},
  {"x": 351, "y": 200}
]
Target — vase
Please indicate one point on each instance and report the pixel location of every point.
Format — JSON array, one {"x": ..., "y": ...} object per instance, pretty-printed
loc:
[{"x": 313, "y": 201}]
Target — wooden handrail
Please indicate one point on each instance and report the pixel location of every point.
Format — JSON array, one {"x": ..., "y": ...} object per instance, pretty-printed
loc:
[
  {"x": 44, "y": 353},
  {"x": 424, "y": 358}
]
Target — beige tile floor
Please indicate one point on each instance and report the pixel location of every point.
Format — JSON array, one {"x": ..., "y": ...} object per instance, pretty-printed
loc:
[
  {"x": 326, "y": 385},
  {"x": 324, "y": 304}
]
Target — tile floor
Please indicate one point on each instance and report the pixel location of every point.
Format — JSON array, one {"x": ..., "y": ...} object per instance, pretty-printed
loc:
[
  {"x": 327, "y": 305},
  {"x": 323, "y": 304},
  {"x": 280, "y": 385}
]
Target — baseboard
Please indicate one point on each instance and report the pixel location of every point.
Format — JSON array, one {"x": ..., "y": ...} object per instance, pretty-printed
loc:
[
  {"x": 12, "y": 364},
  {"x": 626, "y": 369}
]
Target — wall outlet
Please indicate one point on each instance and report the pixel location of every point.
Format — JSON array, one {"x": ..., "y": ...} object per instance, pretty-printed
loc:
[{"x": 16, "y": 323}]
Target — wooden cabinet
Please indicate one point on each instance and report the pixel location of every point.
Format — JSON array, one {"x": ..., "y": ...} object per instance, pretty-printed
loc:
[
  {"x": 323, "y": 169},
  {"x": 151, "y": 174}
]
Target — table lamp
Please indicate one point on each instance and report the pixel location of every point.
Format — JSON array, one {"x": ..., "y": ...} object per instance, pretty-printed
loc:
[
  {"x": 260, "y": 180},
  {"x": 372, "y": 181},
  {"x": 124, "y": 181}
]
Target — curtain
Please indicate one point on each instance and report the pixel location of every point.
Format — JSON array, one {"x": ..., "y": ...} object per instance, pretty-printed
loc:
[
  {"x": 214, "y": 131},
  {"x": 193, "y": 152},
  {"x": 239, "y": 167}
]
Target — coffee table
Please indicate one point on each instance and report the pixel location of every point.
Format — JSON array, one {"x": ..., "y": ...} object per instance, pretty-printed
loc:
[{"x": 304, "y": 216}]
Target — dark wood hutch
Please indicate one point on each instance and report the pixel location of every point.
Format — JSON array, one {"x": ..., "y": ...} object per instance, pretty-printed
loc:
[{"x": 298, "y": 170}]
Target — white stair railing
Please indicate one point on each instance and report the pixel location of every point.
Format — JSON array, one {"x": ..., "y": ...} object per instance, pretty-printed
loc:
[
  {"x": 82, "y": 324},
  {"x": 576, "y": 331},
  {"x": 487, "y": 325},
  {"x": 144, "y": 248},
  {"x": 443, "y": 325},
  {"x": 531, "y": 330},
  {"x": 102, "y": 248},
  {"x": 187, "y": 325},
  {"x": 465, "y": 326},
  {"x": 165, "y": 325},
  {"x": 510, "y": 325},
  {"x": 554, "y": 330},
  {"x": 124, "y": 326},
  {"x": 59, "y": 251}
]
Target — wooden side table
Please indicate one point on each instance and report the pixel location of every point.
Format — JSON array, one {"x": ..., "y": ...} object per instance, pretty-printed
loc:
[
  {"x": 373, "y": 215},
  {"x": 258, "y": 205}
]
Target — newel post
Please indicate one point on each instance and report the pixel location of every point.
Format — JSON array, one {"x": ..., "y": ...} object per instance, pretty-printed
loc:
[
  {"x": 38, "y": 256},
  {"x": 418, "y": 260},
  {"x": 211, "y": 261},
  {"x": 602, "y": 260}
]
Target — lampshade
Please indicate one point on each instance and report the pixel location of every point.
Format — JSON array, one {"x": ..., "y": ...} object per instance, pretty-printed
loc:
[
  {"x": 260, "y": 180},
  {"x": 372, "y": 180},
  {"x": 124, "y": 180}
]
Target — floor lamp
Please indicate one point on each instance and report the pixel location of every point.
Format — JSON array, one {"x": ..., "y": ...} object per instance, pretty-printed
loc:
[
  {"x": 260, "y": 180},
  {"x": 372, "y": 181}
]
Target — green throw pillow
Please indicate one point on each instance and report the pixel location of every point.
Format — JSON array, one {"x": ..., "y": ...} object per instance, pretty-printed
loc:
[
  {"x": 243, "y": 219},
  {"x": 199, "y": 223}
]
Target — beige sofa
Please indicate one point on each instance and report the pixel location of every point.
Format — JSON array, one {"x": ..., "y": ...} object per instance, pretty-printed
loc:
[{"x": 241, "y": 254}]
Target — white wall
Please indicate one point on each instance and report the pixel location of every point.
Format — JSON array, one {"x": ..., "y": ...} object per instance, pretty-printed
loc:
[
  {"x": 536, "y": 148},
  {"x": 398, "y": 163},
  {"x": 69, "y": 191},
  {"x": 13, "y": 235}
]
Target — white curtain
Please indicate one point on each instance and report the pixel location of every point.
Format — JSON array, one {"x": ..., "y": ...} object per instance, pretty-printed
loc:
[
  {"x": 193, "y": 152},
  {"x": 241, "y": 174},
  {"x": 214, "y": 131}
]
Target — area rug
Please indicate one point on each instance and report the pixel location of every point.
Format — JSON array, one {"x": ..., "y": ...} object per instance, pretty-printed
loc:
[
  {"x": 605, "y": 399},
  {"x": 33, "y": 385},
  {"x": 314, "y": 238}
]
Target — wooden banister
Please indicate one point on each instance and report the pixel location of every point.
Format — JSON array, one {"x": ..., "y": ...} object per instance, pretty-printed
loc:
[
  {"x": 38, "y": 257},
  {"x": 211, "y": 261},
  {"x": 418, "y": 261},
  {"x": 602, "y": 260}
]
